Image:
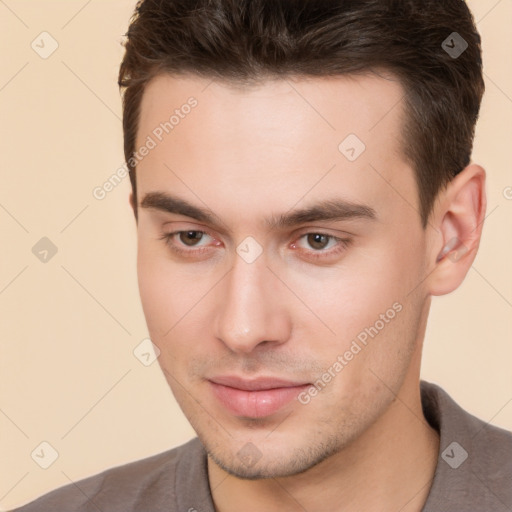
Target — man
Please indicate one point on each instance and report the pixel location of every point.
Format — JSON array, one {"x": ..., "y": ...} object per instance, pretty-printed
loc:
[{"x": 302, "y": 187}]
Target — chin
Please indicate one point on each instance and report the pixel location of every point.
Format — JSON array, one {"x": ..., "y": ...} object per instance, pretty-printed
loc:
[{"x": 251, "y": 463}]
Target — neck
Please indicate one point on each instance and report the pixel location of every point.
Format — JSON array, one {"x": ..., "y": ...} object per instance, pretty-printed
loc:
[{"x": 389, "y": 467}]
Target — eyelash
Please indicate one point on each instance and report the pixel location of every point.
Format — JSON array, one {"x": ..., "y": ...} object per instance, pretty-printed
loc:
[{"x": 343, "y": 244}]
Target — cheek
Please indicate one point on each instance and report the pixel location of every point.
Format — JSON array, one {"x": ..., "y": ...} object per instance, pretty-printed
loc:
[
  {"x": 357, "y": 296},
  {"x": 373, "y": 315},
  {"x": 161, "y": 289},
  {"x": 173, "y": 301},
  {"x": 158, "y": 293},
  {"x": 153, "y": 292}
]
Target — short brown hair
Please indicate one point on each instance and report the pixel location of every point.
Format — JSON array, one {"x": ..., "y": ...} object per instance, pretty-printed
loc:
[{"x": 246, "y": 41}]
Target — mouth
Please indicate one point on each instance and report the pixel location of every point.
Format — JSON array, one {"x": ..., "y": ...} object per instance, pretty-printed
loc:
[{"x": 255, "y": 398}]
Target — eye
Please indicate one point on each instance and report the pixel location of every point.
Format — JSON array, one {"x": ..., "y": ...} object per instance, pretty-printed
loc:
[
  {"x": 319, "y": 242},
  {"x": 178, "y": 241},
  {"x": 190, "y": 238},
  {"x": 187, "y": 243}
]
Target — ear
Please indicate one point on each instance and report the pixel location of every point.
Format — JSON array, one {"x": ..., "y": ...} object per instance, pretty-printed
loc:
[
  {"x": 131, "y": 200},
  {"x": 458, "y": 218}
]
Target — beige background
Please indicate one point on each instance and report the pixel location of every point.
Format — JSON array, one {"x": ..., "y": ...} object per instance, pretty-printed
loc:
[{"x": 69, "y": 326}]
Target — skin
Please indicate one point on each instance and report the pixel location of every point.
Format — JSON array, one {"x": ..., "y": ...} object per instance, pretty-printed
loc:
[{"x": 362, "y": 443}]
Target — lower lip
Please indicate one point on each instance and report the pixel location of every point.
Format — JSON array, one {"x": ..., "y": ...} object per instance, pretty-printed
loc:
[{"x": 255, "y": 404}]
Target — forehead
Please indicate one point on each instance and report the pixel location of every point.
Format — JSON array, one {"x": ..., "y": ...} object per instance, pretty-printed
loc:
[
  {"x": 280, "y": 140},
  {"x": 342, "y": 104}
]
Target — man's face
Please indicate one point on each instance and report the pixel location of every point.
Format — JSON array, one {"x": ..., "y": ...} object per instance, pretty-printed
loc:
[{"x": 249, "y": 312}]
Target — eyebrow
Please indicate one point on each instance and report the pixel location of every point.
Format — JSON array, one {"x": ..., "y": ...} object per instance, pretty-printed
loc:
[{"x": 326, "y": 210}]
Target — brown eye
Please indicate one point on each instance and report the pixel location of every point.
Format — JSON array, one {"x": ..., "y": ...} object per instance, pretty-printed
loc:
[
  {"x": 189, "y": 237},
  {"x": 321, "y": 246},
  {"x": 317, "y": 240},
  {"x": 190, "y": 243}
]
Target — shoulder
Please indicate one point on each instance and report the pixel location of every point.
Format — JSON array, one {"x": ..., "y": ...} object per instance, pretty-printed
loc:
[
  {"x": 474, "y": 466},
  {"x": 132, "y": 486}
]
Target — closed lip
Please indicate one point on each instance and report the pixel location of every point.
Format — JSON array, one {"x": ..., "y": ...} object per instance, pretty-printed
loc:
[{"x": 257, "y": 384}]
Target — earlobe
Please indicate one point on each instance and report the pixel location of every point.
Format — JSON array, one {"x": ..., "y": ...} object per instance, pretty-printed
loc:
[{"x": 459, "y": 219}]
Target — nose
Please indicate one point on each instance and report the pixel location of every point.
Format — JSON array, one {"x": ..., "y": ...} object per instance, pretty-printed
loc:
[{"x": 250, "y": 312}]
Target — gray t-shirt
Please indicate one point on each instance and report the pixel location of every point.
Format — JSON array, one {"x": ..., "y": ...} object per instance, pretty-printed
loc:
[{"x": 473, "y": 473}]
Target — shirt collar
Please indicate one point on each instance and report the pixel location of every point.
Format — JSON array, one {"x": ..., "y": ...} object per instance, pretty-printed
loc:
[{"x": 474, "y": 467}]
